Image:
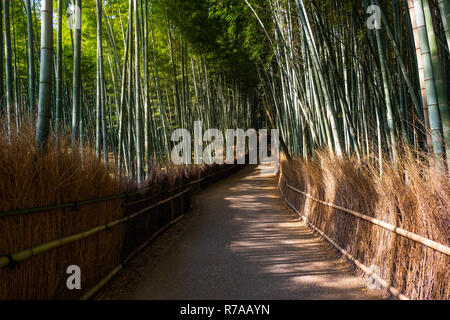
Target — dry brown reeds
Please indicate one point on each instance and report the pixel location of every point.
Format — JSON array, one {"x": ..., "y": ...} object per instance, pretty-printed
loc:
[
  {"x": 413, "y": 196},
  {"x": 60, "y": 175}
]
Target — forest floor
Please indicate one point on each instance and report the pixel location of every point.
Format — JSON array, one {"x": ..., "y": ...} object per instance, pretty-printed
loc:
[{"x": 239, "y": 241}]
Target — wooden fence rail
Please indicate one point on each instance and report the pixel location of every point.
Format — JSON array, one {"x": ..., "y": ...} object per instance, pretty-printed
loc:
[
  {"x": 409, "y": 235},
  {"x": 385, "y": 284}
]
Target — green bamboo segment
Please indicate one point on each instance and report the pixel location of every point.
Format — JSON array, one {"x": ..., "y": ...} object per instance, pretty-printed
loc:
[
  {"x": 432, "y": 99},
  {"x": 331, "y": 114},
  {"x": 421, "y": 75},
  {"x": 138, "y": 111},
  {"x": 387, "y": 97},
  {"x": 441, "y": 86},
  {"x": 101, "y": 137},
  {"x": 76, "y": 86},
  {"x": 444, "y": 6},
  {"x": 59, "y": 72},
  {"x": 8, "y": 61},
  {"x": 45, "y": 79},
  {"x": 406, "y": 76},
  {"x": 31, "y": 69},
  {"x": 2, "y": 53}
]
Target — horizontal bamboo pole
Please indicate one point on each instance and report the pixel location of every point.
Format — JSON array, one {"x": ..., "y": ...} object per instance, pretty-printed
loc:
[
  {"x": 129, "y": 204},
  {"x": 177, "y": 187},
  {"x": 76, "y": 204},
  {"x": 27, "y": 253},
  {"x": 61, "y": 206},
  {"x": 113, "y": 272},
  {"x": 359, "y": 264},
  {"x": 409, "y": 235},
  {"x": 212, "y": 175},
  {"x": 24, "y": 254}
]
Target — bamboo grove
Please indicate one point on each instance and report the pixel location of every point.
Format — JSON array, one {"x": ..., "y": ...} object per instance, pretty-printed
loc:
[
  {"x": 149, "y": 78},
  {"x": 358, "y": 78},
  {"x": 335, "y": 82}
]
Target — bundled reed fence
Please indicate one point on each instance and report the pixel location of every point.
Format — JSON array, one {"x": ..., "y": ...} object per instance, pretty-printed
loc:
[
  {"x": 366, "y": 217},
  {"x": 61, "y": 209}
]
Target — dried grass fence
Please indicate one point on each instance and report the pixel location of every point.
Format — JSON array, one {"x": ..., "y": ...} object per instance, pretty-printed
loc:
[
  {"x": 81, "y": 214},
  {"x": 100, "y": 249},
  {"x": 342, "y": 198}
]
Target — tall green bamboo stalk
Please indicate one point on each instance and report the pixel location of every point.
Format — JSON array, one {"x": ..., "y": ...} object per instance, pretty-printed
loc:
[
  {"x": 137, "y": 94},
  {"x": 387, "y": 96},
  {"x": 31, "y": 80},
  {"x": 76, "y": 87},
  {"x": 444, "y": 6},
  {"x": 45, "y": 78},
  {"x": 432, "y": 99},
  {"x": 100, "y": 105},
  {"x": 2, "y": 91},
  {"x": 8, "y": 62},
  {"x": 441, "y": 86},
  {"x": 59, "y": 71}
]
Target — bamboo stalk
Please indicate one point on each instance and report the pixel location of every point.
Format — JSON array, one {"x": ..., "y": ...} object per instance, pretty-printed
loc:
[
  {"x": 137, "y": 93},
  {"x": 430, "y": 86},
  {"x": 8, "y": 62},
  {"x": 76, "y": 93},
  {"x": 45, "y": 79},
  {"x": 59, "y": 72},
  {"x": 441, "y": 87},
  {"x": 31, "y": 77}
]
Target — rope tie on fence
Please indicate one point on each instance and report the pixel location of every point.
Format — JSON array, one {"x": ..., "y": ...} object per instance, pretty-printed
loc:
[{"x": 12, "y": 263}]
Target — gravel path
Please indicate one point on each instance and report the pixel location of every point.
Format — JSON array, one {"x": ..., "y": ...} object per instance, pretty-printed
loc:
[{"x": 239, "y": 242}]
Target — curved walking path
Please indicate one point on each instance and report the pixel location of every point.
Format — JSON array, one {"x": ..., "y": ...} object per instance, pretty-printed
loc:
[{"x": 239, "y": 242}]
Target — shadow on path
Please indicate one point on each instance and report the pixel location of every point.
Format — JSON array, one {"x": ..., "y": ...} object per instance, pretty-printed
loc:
[{"x": 239, "y": 242}]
